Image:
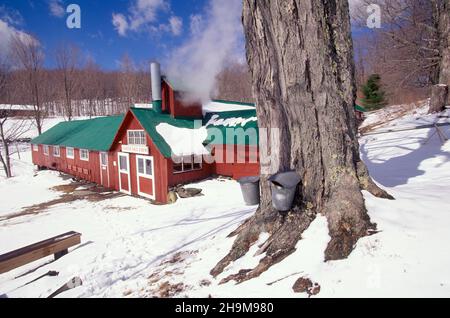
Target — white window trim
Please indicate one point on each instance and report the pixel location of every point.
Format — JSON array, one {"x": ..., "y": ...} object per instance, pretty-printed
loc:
[
  {"x": 84, "y": 159},
  {"x": 104, "y": 164},
  {"x": 192, "y": 163},
  {"x": 35, "y": 147},
  {"x": 54, "y": 151},
  {"x": 67, "y": 153},
  {"x": 46, "y": 150},
  {"x": 136, "y": 130}
]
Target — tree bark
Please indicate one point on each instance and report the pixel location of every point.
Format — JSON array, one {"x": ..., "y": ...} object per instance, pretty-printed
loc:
[
  {"x": 439, "y": 97},
  {"x": 444, "y": 34},
  {"x": 300, "y": 54}
]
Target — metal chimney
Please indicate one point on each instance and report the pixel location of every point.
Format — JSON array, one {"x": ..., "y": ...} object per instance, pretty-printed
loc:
[{"x": 156, "y": 86}]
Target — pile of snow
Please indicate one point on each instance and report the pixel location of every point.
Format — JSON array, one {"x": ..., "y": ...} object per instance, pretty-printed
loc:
[
  {"x": 30, "y": 130},
  {"x": 184, "y": 141},
  {"x": 146, "y": 106},
  {"x": 16, "y": 107},
  {"x": 217, "y": 106},
  {"x": 405, "y": 116}
]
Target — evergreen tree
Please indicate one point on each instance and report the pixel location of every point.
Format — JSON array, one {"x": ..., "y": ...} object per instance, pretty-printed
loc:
[{"x": 374, "y": 96}]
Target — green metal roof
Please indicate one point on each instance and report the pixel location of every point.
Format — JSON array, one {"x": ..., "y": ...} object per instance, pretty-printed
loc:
[
  {"x": 93, "y": 134},
  {"x": 230, "y": 125},
  {"x": 150, "y": 120},
  {"x": 360, "y": 108},
  {"x": 230, "y": 102}
]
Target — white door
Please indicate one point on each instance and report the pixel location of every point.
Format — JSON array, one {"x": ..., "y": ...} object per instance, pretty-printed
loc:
[
  {"x": 124, "y": 172},
  {"x": 145, "y": 176},
  {"x": 104, "y": 170}
]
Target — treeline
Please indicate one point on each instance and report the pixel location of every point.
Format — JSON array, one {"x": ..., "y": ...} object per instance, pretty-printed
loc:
[
  {"x": 80, "y": 87},
  {"x": 410, "y": 51}
]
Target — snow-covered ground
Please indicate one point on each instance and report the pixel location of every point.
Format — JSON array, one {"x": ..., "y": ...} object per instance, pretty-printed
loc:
[
  {"x": 29, "y": 126},
  {"x": 134, "y": 249}
]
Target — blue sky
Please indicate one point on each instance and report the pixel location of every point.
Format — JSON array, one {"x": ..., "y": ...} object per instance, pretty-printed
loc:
[{"x": 144, "y": 29}]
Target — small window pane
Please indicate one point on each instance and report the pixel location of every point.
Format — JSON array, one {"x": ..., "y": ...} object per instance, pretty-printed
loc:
[
  {"x": 123, "y": 163},
  {"x": 177, "y": 165},
  {"x": 148, "y": 167},
  {"x": 141, "y": 166},
  {"x": 104, "y": 159},
  {"x": 187, "y": 163},
  {"x": 198, "y": 162}
]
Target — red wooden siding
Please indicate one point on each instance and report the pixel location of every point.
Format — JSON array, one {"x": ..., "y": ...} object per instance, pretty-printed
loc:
[
  {"x": 172, "y": 103},
  {"x": 159, "y": 162}
]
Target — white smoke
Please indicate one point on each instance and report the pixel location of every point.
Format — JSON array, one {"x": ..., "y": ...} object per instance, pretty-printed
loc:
[{"x": 216, "y": 37}]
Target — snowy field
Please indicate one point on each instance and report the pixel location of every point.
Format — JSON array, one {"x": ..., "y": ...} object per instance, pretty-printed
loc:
[{"x": 131, "y": 248}]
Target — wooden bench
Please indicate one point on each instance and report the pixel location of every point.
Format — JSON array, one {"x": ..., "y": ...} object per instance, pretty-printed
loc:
[{"x": 57, "y": 245}]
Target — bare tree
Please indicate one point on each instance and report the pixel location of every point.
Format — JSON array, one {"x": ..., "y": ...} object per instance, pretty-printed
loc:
[
  {"x": 68, "y": 62},
  {"x": 10, "y": 129},
  {"x": 28, "y": 56},
  {"x": 127, "y": 82},
  {"x": 234, "y": 83},
  {"x": 309, "y": 98},
  {"x": 411, "y": 49}
]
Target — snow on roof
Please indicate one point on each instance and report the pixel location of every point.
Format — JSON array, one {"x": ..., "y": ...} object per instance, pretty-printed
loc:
[
  {"x": 142, "y": 105},
  {"x": 226, "y": 106},
  {"x": 16, "y": 107},
  {"x": 184, "y": 141}
]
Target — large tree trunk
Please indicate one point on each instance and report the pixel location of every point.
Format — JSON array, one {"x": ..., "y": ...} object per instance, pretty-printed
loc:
[
  {"x": 440, "y": 97},
  {"x": 300, "y": 54},
  {"x": 444, "y": 34}
]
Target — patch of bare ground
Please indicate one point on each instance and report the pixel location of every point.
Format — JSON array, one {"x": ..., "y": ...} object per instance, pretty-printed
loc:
[
  {"x": 69, "y": 193},
  {"x": 305, "y": 285},
  {"x": 166, "y": 279}
]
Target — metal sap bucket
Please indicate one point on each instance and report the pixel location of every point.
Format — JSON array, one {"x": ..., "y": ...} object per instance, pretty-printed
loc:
[
  {"x": 284, "y": 186},
  {"x": 250, "y": 190}
]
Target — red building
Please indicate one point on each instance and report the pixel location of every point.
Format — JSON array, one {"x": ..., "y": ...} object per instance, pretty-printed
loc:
[{"x": 149, "y": 150}]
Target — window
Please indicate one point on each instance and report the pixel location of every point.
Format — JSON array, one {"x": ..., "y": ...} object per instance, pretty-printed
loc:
[
  {"x": 187, "y": 163},
  {"x": 70, "y": 153},
  {"x": 56, "y": 151},
  {"x": 103, "y": 158},
  {"x": 84, "y": 154},
  {"x": 136, "y": 137},
  {"x": 144, "y": 167},
  {"x": 123, "y": 163},
  {"x": 35, "y": 148},
  {"x": 46, "y": 151}
]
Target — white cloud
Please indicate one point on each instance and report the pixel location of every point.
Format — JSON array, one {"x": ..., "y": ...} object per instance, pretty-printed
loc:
[
  {"x": 141, "y": 15},
  {"x": 7, "y": 31},
  {"x": 213, "y": 42},
  {"x": 120, "y": 23},
  {"x": 176, "y": 25},
  {"x": 56, "y": 8},
  {"x": 10, "y": 16}
]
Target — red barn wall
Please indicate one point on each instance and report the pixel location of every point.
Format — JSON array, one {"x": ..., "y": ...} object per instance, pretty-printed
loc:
[
  {"x": 240, "y": 165},
  {"x": 172, "y": 103},
  {"x": 87, "y": 170},
  {"x": 159, "y": 162}
]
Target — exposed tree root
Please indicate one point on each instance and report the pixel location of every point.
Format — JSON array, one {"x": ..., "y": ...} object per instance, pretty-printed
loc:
[
  {"x": 347, "y": 217},
  {"x": 281, "y": 243},
  {"x": 366, "y": 183}
]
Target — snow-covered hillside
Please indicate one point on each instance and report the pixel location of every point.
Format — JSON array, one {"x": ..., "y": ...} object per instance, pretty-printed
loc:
[{"x": 131, "y": 248}]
